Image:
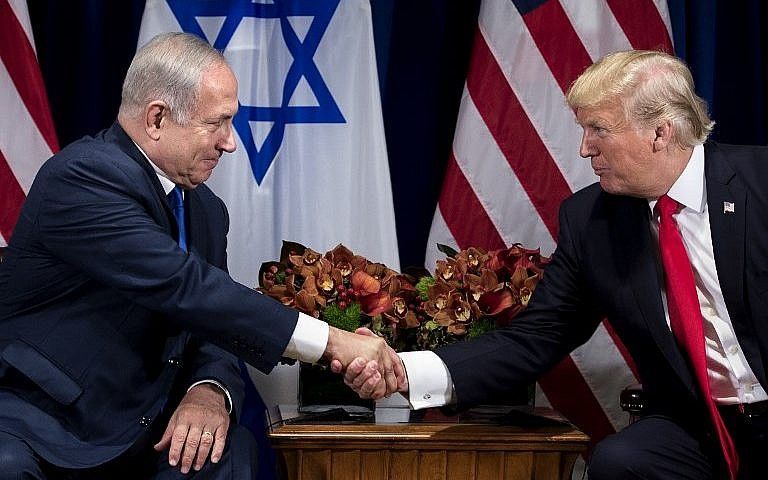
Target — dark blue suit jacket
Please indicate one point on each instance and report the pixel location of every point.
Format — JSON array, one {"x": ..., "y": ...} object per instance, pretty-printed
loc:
[
  {"x": 605, "y": 267},
  {"x": 102, "y": 315}
]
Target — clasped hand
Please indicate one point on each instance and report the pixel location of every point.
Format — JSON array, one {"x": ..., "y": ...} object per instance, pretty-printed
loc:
[{"x": 370, "y": 367}]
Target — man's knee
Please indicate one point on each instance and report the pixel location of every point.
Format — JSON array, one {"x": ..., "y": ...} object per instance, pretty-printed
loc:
[
  {"x": 613, "y": 458},
  {"x": 242, "y": 452},
  {"x": 17, "y": 460}
]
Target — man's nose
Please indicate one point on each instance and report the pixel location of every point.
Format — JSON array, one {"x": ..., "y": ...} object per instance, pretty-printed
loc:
[
  {"x": 586, "y": 149},
  {"x": 228, "y": 143}
]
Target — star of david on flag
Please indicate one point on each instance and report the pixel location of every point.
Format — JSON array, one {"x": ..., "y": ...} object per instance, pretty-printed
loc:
[
  {"x": 311, "y": 161},
  {"x": 302, "y": 25}
]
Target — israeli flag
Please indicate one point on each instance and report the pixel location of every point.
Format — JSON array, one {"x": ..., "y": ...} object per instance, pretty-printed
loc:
[{"x": 311, "y": 164}]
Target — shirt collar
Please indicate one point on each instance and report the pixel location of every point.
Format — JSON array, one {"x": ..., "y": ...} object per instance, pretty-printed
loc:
[
  {"x": 688, "y": 189},
  {"x": 166, "y": 182}
]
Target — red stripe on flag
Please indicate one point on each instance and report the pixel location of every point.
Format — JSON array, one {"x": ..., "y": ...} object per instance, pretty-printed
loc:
[
  {"x": 570, "y": 395},
  {"x": 642, "y": 24},
  {"x": 621, "y": 347},
  {"x": 558, "y": 42},
  {"x": 515, "y": 135},
  {"x": 19, "y": 59},
  {"x": 464, "y": 214},
  {"x": 11, "y": 198}
]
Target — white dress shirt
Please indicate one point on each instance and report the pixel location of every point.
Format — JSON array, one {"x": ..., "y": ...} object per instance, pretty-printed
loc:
[
  {"x": 731, "y": 379},
  {"x": 730, "y": 376}
]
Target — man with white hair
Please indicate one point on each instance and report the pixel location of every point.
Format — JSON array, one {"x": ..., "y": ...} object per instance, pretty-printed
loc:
[
  {"x": 119, "y": 325},
  {"x": 672, "y": 247}
]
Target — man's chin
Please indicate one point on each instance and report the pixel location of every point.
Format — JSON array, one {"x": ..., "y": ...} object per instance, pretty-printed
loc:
[
  {"x": 609, "y": 187},
  {"x": 201, "y": 179}
]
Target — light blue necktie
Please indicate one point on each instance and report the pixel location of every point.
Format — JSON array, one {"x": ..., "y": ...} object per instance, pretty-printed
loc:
[{"x": 176, "y": 199}]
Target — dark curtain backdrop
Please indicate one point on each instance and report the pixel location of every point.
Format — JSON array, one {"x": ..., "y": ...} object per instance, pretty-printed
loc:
[{"x": 85, "y": 46}]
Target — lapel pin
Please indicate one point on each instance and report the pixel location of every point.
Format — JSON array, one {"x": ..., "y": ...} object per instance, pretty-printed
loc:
[{"x": 729, "y": 207}]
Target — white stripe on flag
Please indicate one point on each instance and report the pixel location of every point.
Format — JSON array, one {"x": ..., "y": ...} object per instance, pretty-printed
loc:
[
  {"x": 495, "y": 183},
  {"x": 21, "y": 142},
  {"x": 439, "y": 234},
  {"x": 595, "y": 24},
  {"x": 600, "y": 354},
  {"x": 535, "y": 88}
]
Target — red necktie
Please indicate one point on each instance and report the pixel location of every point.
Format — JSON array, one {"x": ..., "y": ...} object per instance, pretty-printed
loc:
[{"x": 685, "y": 317}]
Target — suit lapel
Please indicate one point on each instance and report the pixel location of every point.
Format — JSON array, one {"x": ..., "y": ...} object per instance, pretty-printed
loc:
[
  {"x": 728, "y": 203},
  {"x": 632, "y": 230},
  {"x": 118, "y": 135},
  {"x": 197, "y": 236},
  {"x": 728, "y": 227},
  {"x": 126, "y": 145}
]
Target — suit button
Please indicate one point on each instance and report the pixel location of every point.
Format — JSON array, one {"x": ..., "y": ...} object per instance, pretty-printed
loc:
[
  {"x": 176, "y": 362},
  {"x": 145, "y": 421}
]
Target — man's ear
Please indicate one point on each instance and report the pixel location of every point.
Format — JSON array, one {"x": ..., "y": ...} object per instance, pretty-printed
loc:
[
  {"x": 155, "y": 117},
  {"x": 663, "y": 137}
]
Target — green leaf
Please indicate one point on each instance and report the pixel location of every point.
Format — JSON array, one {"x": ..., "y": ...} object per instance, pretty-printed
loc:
[
  {"x": 431, "y": 325},
  {"x": 422, "y": 286},
  {"x": 480, "y": 327},
  {"x": 348, "y": 319}
]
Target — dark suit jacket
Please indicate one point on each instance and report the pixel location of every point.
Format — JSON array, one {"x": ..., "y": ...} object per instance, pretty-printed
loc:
[
  {"x": 102, "y": 315},
  {"x": 605, "y": 267}
]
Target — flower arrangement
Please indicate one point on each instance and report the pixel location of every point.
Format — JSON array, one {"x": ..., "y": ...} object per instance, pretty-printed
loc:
[{"x": 472, "y": 291}]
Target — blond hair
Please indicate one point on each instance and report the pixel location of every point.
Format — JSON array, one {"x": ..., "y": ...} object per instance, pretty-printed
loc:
[{"x": 652, "y": 87}]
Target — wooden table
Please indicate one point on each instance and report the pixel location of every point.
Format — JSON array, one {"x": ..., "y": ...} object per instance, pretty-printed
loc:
[{"x": 425, "y": 448}]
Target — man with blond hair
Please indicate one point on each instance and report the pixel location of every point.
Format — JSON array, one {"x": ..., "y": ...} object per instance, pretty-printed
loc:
[{"x": 672, "y": 247}]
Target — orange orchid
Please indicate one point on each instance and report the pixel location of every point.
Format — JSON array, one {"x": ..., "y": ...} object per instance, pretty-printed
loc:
[{"x": 472, "y": 290}]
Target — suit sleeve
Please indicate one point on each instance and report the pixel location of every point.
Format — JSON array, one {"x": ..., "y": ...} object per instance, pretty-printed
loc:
[
  {"x": 557, "y": 320},
  {"x": 101, "y": 217},
  {"x": 207, "y": 361}
]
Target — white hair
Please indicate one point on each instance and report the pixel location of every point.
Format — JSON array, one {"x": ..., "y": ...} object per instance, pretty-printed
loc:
[{"x": 168, "y": 68}]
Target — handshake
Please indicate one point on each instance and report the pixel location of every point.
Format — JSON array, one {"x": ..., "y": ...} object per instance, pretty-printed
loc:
[{"x": 370, "y": 367}]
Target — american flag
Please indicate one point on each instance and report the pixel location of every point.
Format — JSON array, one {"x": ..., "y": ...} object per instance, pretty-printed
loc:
[
  {"x": 27, "y": 136},
  {"x": 515, "y": 158}
]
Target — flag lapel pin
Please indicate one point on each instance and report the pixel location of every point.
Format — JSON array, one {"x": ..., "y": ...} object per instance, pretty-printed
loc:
[{"x": 729, "y": 207}]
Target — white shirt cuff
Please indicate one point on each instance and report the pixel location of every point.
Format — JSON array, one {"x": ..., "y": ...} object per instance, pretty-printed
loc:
[
  {"x": 429, "y": 382},
  {"x": 309, "y": 339},
  {"x": 222, "y": 387}
]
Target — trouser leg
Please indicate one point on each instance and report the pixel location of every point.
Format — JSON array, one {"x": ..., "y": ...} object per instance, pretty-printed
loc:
[
  {"x": 654, "y": 447},
  {"x": 237, "y": 463},
  {"x": 17, "y": 460}
]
